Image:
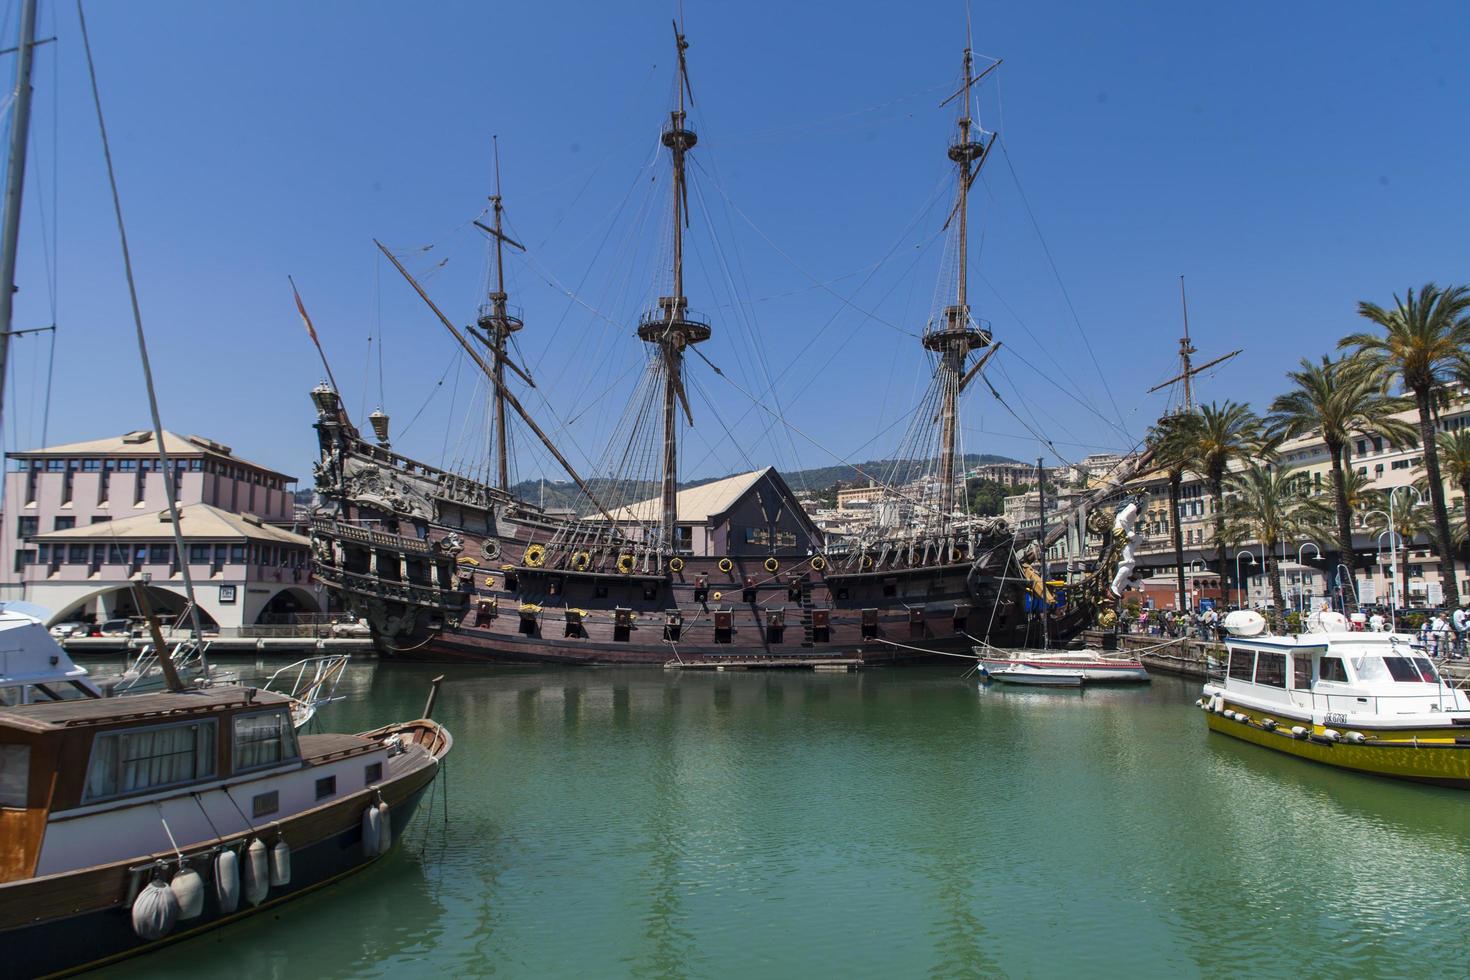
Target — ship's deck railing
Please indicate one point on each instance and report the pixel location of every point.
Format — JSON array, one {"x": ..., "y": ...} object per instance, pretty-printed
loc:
[{"x": 383, "y": 539}]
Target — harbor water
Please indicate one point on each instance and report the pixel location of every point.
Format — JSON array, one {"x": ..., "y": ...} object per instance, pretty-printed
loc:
[{"x": 889, "y": 823}]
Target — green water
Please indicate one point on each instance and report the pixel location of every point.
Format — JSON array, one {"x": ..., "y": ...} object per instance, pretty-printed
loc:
[{"x": 617, "y": 822}]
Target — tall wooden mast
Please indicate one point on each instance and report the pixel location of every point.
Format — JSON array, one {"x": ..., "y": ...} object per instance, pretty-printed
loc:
[
  {"x": 958, "y": 335},
  {"x": 497, "y": 323},
  {"x": 671, "y": 328}
]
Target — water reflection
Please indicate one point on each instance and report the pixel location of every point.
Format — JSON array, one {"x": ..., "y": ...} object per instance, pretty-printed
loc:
[{"x": 880, "y": 823}]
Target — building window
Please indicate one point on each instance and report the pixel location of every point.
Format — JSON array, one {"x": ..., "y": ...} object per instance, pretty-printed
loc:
[
  {"x": 1400, "y": 464},
  {"x": 79, "y": 554},
  {"x": 1362, "y": 447},
  {"x": 263, "y": 739},
  {"x": 325, "y": 787},
  {"x": 159, "y": 554},
  {"x": 134, "y": 761},
  {"x": 63, "y": 523},
  {"x": 198, "y": 554},
  {"x": 237, "y": 554},
  {"x": 25, "y": 527},
  {"x": 24, "y": 557}
]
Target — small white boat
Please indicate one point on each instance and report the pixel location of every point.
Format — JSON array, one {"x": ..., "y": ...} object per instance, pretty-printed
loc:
[
  {"x": 1092, "y": 667},
  {"x": 1037, "y": 676}
]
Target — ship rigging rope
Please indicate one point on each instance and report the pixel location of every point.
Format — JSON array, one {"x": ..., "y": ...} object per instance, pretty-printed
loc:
[
  {"x": 1046, "y": 250},
  {"x": 925, "y": 650}
]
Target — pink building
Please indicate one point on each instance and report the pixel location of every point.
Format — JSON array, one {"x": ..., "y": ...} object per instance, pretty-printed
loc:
[{"x": 83, "y": 520}]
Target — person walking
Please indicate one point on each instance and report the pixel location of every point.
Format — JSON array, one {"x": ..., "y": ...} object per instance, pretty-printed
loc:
[
  {"x": 1460, "y": 620},
  {"x": 1376, "y": 621}
]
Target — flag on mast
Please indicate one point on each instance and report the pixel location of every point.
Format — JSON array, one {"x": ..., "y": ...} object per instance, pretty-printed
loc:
[{"x": 311, "y": 330}]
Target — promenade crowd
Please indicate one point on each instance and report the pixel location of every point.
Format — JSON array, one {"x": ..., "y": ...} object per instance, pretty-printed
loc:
[{"x": 1443, "y": 634}]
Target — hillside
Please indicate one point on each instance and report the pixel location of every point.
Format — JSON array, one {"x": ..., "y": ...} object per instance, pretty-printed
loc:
[{"x": 564, "y": 493}]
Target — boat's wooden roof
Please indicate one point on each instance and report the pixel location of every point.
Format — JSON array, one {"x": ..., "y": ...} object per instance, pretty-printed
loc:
[{"x": 84, "y": 712}]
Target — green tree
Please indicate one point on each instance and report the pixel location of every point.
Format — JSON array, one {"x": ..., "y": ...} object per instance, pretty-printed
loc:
[
  {"x": 1269, "y": 504},
  {"x": 1226, "y": 434},
  {"x": 1425, "y": 339},
  {"x": 1336, "y": 399},
  {"x": 1409, "y": 522},
  {"x": 1174, "y": 442},
  {"x": 1454, "y": 454}
]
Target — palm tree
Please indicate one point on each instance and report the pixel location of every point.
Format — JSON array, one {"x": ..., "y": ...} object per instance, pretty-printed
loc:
[
  {"x": 1408, "y": 523},
  {"x": 1338, "y": 399},
  {"x": 1269, "y": 504},
  {"x": 1226, "y": 434},
  {"x": 1454, "y": 452},
  {"x": 1174, "y": 441},
  {"x": 1426, "y": 338}
]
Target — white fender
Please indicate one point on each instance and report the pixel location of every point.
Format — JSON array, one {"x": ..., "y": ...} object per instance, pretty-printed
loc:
[
  {"x": 227, "y": 881},
  {"x": 280, "y": 864},
  {"x": 372, "y": 836},
  {"x": 188, "y": 889},
  {"x": 257, "y": 876},
  {"x": 385, "y": 828},
  {"x": 155, "y": 911}
]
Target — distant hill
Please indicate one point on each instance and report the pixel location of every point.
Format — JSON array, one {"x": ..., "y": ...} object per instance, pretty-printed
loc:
[{"x": 564, "y": 493}]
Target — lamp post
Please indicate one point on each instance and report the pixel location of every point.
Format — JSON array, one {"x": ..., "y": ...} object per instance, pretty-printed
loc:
[
  {"x": 1239, "y": 599},
  {"x": 1301, "y": 591},
  {"x": 1393, "y": 571}
]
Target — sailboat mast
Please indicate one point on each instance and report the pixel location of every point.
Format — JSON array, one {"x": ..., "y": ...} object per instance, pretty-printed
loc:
[
  {"x": 498, "y": 299},
  {"x": 959, "y": 336},
  {"x": 1185, "y": 350},
  {"x": 497, "y": 323},
  {"x": 670, "y": 327},
  {"x": 15, "y": 176}
]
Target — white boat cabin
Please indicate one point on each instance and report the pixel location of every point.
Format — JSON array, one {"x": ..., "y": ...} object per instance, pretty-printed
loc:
[{"x": 1330, "y": 677}]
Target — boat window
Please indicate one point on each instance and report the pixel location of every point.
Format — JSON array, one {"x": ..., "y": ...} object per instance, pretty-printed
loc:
[
  {"x": 15, "y": 774},
  {"x": 1402, "y": 669},
  {"x": 132, "y": 761},
  {"x": 1426, "y": 670},
  {"x": 1301, "y": 671},
  {"x": 1271, "y": 669},
  {"x": 1331, "y": 669},
  {"x": 263, "y": 739},
  {"x": 1376, "y": 669},
  {"x": 1241, "y": 662}
]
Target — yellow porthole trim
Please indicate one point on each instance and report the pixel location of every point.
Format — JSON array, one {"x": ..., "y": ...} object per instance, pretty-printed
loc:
[
  {"x": 676, "y": 564},
  {"x": 772, "y": 565},
  {"x": 535, "y": 555},
  {"x": 625, "y": 563},
  {"x": 726, "y": 564},
  {"x": 867, "y": 562},
  {"x": 819, "y": 563},
  {"x": 581, "y": 561}
]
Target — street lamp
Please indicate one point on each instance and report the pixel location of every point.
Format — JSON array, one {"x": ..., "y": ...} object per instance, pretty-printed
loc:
[
  {"x": 1301, "y": 589},
  {"x": 1239, "y": 601}
]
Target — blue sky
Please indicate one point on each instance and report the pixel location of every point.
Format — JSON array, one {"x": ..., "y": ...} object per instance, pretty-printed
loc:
[{"x": 1288, "y": 160}]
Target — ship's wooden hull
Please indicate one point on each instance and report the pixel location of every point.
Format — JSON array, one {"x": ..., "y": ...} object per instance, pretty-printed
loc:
[{"x": 443, "y": 568}]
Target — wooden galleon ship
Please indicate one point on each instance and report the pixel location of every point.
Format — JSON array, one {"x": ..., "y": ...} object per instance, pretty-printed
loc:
[{"x": 446, "y": 567}]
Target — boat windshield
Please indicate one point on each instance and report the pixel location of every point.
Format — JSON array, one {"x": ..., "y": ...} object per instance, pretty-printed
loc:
[{"x": 1401, "y": 669}]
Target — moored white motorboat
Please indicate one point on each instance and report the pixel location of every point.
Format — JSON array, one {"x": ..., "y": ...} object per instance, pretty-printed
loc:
[
  {"x": 1092, "y": 667},
  {"x": 1365, "y": 701},
  {"x": 1036, "y": 676}
]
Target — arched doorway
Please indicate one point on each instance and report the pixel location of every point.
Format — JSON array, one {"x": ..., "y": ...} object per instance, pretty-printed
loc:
[
  {"x": 122, "y": 603},
  {"x": 287, "y": 606}
]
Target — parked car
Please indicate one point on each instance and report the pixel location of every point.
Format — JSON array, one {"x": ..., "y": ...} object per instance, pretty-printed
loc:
[{"x": 62, "y": 630}]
